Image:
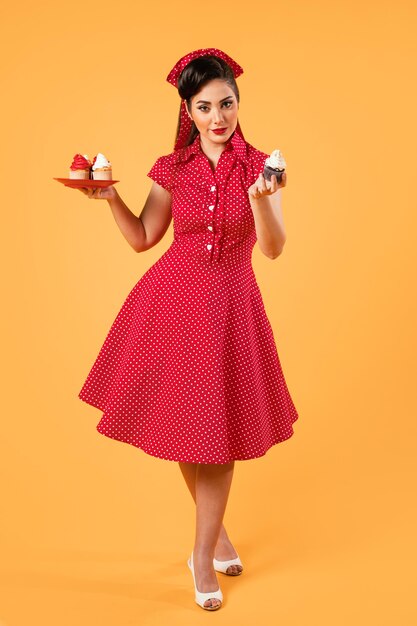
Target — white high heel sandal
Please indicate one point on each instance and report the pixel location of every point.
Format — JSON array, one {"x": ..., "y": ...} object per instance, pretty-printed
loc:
[
  {"x": 221, "y": 566},
  {"x": 200, "y": 596}
]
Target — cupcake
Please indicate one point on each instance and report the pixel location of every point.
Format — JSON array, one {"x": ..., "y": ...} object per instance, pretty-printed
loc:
[
  {"x": 80, "y": 167},
  {"x": 274, "y": 164},
  {"x": 101, "y": 168}
]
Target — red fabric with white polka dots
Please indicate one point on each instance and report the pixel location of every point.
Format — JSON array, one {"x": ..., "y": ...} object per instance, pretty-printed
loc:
[{"x": 189, "y": 370}]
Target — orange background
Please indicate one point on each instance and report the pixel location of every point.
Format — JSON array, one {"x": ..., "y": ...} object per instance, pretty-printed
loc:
[{"x": 98, "y": 532}]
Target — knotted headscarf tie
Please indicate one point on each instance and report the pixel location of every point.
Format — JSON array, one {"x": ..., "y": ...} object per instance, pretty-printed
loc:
[{"x": 173, "y": 76}]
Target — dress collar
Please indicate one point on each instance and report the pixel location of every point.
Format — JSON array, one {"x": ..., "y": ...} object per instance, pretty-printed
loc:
[{"x": 236, "y": 143}]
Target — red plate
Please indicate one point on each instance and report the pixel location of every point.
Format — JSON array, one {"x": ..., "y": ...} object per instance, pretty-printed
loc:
[{"x": 76, "y": 183}]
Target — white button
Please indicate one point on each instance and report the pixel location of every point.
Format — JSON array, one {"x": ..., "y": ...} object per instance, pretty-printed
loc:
[
  {"x": 210, "y": 227},
  {"x": 211, "y": 207},
  {"x": 209, "y": 246},
  {"x": 213, "y": 188}
]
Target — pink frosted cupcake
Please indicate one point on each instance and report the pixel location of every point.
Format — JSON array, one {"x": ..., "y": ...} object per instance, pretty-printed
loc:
[
  {"x": 80, "y": 167},
  {"x": 101, "y": 168},
  {"x": 274, "y": 164}
]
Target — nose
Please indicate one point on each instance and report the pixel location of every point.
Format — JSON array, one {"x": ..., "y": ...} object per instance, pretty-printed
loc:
[{"x": 217, "y": 116}]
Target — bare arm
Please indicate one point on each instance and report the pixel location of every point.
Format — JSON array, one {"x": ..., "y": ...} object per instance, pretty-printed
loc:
[
  {"x": 144, "y": 231},
  {"x": 265, "y": 201},
  {"x": 129, "y": 224},
  {"x": 155, "y": 217}
]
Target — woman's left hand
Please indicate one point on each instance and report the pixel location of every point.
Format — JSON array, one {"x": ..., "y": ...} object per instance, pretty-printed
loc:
[{"x": 262, "y": 187}]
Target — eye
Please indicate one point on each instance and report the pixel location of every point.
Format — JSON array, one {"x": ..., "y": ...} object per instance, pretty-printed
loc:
[{"x": 206, "y": 107}]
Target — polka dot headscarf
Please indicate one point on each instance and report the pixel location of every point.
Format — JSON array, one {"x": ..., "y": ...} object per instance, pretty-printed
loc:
[{"x": 174, "y": 74}]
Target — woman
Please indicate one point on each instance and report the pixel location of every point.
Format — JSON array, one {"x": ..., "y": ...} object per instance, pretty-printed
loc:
[{"x": 189, "y": 370}]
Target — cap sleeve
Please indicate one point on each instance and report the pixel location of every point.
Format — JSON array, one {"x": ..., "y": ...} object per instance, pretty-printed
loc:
[{"x": 161, "y": 172}]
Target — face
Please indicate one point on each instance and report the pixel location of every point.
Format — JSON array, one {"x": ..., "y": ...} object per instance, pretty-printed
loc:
[{"x": 215, "y": 106}]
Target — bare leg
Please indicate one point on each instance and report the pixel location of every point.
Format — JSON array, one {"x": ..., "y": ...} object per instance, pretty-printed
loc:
[
  {"x": 224, "y": 549},
  {"x": 212, "y": 488}
]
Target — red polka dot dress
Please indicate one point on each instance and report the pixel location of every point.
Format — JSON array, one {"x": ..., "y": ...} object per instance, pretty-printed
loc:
[{"x": 189, "y": 370}]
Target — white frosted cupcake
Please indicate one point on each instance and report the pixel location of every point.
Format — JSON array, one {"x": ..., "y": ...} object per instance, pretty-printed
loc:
[
  {"x": 274, "y": 164},
  {"x": 101, "y": 168}
]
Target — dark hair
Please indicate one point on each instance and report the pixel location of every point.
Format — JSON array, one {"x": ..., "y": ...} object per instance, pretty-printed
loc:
[{"x": 194, "y": 76}]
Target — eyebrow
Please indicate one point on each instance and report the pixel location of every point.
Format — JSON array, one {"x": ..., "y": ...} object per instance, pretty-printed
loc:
[{"x": 207, "y": 101}]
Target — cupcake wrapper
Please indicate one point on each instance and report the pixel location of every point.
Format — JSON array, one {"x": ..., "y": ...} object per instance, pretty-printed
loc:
[
  {"x": 268, "y": 171},
  {"x": 102, "y": 174},
  {"x": 79, "y": 174}
]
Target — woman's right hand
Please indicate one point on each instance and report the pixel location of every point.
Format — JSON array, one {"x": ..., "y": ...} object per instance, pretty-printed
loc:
[{"x": 99, "y": 193}]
